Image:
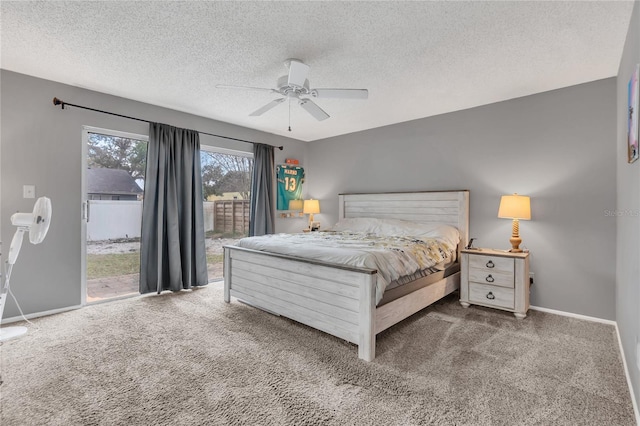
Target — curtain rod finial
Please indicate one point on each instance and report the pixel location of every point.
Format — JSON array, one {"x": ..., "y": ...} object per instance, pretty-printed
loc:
[
  {"x": 280, "y": 147},
  {"x": 57, "y": 102}
]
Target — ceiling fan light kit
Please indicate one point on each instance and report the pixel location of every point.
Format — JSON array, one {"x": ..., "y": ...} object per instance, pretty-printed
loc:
[{"x": 296, "y": 86}]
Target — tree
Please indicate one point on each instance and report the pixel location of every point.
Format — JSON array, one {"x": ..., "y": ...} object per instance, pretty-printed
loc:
[
  {"x": 236, "y": 181},
  {"x": 235, "y": 173},
  {"x": 211, "y": 177},
  {"x": 220, "y": 172},
  {"x": 114, "y": 152}
]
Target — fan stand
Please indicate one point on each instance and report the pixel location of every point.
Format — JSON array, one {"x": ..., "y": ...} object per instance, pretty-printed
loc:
[
  {"x": 7, "y": 333},
  {"x": 37, "y": 221}
]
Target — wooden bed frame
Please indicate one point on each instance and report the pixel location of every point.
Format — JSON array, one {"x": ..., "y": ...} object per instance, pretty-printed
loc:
[{"x": 338, "y": 299}]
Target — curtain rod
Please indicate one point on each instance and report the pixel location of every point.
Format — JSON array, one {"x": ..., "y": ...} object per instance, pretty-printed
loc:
[{"x": 57, "y": 102}]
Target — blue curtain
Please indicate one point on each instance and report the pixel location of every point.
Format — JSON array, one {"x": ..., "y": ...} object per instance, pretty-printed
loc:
[
  {"x": 172, "y": 252},
  {"x": 261, "y": 215}
]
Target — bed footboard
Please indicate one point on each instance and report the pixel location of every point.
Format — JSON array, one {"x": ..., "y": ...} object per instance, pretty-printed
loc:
[{"x": 336, "y": 299}]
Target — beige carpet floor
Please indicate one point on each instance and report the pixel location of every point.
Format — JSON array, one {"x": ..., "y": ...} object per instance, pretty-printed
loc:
[{"x": 191, "y": 359}]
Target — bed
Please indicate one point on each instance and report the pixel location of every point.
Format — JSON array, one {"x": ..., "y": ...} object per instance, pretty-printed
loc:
[{"x": 340, "y": 299}]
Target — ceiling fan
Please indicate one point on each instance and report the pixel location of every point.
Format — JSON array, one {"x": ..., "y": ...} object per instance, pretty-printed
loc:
[{"x": 295, "y": 86}]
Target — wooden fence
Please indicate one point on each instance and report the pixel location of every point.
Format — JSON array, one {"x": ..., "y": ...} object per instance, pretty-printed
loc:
[{"x": 231, "y": 216}]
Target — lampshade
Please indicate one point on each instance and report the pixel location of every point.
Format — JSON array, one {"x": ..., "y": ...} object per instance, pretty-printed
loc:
[
  {"x": 311, "y": 207},
  {"x": 515, "y": 207},
  {"x": 295, "y": 205}
]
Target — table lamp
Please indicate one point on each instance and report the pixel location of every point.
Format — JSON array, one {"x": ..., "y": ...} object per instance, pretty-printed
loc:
[
  {"x": 515, "y": 207},
  {"x": 311, "y": 207}
]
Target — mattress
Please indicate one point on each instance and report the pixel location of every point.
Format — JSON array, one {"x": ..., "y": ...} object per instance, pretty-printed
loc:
[
  {"x": 392, "y": 256},
  {"x": 415, "y": 282}
]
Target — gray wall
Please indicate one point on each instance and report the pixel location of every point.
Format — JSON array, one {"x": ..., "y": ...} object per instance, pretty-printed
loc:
[
  {"x": 557, "y": 147},
  {"x": 42, "y": 145},
  {"x": 628, "y": 201}
]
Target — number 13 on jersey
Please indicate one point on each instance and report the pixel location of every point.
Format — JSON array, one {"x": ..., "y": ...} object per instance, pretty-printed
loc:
[{"x": 290, "y": 180}]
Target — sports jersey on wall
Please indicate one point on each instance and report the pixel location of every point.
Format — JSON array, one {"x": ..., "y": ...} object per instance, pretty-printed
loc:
[{"x": 290, "y": 180}]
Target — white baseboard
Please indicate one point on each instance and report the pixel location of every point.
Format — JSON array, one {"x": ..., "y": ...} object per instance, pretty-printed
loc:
[
  {"x": 40, "y": 314},
  {"x": 626, "y": 373},
  {"x": 572, "y": 315}
]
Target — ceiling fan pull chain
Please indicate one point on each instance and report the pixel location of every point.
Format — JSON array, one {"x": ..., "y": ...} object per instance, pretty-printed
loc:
[{"x": 289, "y": 114}]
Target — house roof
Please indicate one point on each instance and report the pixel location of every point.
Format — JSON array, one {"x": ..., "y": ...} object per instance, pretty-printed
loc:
[
  {"x": 417, "y": 59},
  {"x": 111, "y": 181}
]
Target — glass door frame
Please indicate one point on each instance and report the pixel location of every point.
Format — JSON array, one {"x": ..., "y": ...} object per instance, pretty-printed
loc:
[{"x": 86, "y": 130}]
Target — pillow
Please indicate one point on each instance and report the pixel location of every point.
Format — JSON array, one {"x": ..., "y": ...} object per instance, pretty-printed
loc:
[
  {"x": 442, "y": 232},
  {"x": 397, "y": 227},
  {"x": 358, "y": 224},
  {"x": 446, "y": 233}
]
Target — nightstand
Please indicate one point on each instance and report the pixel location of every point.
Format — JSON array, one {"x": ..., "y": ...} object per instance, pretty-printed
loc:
[{"x": 496, "y": 279}]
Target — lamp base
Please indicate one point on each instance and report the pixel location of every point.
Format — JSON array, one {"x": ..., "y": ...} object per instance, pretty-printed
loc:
[
  {"x": 515, "y": 244},
  {"x": 515, "y": 239}
]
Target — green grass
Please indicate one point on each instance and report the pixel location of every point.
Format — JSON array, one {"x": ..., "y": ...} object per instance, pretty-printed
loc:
[{"x": 114, "y": 265}]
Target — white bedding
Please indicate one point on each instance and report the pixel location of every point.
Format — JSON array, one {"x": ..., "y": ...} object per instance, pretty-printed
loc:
[{"x": 394, "y": 248}]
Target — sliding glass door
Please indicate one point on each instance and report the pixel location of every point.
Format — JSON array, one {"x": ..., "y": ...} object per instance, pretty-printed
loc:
[
  {"x": 112, "y": 190},
  {"x": 113, "y": 183}
]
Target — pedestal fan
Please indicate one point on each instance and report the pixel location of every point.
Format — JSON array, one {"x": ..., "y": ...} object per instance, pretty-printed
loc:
[{"x": 37, "y": 224}]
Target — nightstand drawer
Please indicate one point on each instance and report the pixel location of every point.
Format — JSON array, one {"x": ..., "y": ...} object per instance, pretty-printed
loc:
[
  {"x": 491, "y": 263},
  {"x": 491, "y": 277},
  {"x": 491, "y": 295}
]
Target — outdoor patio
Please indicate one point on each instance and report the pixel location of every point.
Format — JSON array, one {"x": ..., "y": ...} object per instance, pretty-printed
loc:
[{"x": 109, "y": 287}]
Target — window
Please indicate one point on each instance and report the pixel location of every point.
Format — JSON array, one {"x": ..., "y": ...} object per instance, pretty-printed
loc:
[{"x": 226, "y": 188}]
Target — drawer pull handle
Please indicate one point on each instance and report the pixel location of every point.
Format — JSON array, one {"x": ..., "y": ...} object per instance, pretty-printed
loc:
[
  {"x": 490, "y": 264},
  {"x": 490, "y": 296},
  {"x": 490, "y": 279}
]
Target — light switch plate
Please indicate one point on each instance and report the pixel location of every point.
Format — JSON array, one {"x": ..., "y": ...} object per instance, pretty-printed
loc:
[{"x": 28, "y": 191}]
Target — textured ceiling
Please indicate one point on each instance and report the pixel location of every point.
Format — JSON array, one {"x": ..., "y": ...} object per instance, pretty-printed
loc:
[{"x": 417, "y": 59}]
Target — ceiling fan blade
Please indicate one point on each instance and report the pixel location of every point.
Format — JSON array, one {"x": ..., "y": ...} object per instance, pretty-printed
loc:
[
  {"x": 340, "y": 93},
  {"x": 267, "y": 107},
  {"x": 262, "y": 89},
  {"x": 297, "y": 72},
  {"x": 313, "y": 109}
]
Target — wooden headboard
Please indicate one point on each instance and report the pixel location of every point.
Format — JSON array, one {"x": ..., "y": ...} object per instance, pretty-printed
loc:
[{"x": 448, "y": 207}]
